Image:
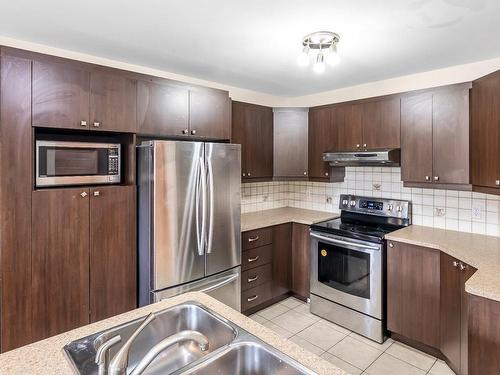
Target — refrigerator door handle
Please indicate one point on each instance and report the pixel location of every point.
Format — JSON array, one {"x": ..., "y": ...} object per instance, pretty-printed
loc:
[
  {"x": 203, "y": 179},
  {"x": 221, "y": 284},
  {"x": 199, "y": 230},
  {"x": 211, "y": 207}
]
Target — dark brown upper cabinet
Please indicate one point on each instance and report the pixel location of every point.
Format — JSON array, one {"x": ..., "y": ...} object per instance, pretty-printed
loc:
[
  {"x": 435, "y": 137},
  {"x": 381, "y": 124},
  {"x": 67, "y": 95},
  {"x": 322, "y": 138},
  {"x": 162, "y": 108},
  {"x": 347, "y": 123},
  {"x": 209, "y": 113},
  {"x": 252, "y": 127},
  {"x": 113, "y": 102},
  {"x": 60, "y": 96},
  {"x": 485, "y": 133}
]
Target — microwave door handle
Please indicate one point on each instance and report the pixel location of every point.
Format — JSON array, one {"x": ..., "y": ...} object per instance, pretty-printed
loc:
[{"x": 342, "y": 242}]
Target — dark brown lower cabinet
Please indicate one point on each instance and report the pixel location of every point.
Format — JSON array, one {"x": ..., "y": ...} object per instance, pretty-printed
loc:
[
  {"x": 84, "y": 257},
  {"x": 301, "y": 260},
  {"x": 60, "y": 261},
  {"x": 113, "y": 274},
  {"x": 282, "y": 260}
]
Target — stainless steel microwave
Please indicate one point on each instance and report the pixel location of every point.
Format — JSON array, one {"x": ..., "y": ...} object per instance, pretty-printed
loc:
[{"x": 61, "y": 163}]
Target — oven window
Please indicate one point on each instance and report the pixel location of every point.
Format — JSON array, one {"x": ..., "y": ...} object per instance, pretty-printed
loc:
[
  {"x": 64, "y": 161},
  {"x": 343, "y": 269}
]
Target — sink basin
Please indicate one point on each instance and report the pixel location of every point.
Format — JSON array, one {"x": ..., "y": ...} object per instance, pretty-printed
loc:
[
  {"x": 248, "y": 358},
  {"x": 189, "y": 316}
]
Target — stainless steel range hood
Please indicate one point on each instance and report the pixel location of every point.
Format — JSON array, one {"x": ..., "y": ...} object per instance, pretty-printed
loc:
[{"x": 382, "y": 158}]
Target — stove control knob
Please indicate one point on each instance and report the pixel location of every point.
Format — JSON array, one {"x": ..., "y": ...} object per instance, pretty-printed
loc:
[
  {"x": 399, "y": 208},
  {"x": 345, "y": 202},
  {"x": 389, "y": 207},
  {"x": 353, "y": 203}
]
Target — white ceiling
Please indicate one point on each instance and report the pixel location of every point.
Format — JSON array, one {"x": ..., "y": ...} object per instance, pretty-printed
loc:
[{"x": 254, "y": 44}]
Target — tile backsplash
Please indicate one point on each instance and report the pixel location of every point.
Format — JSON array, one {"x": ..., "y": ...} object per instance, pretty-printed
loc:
[{"x": 447, "y": 209}]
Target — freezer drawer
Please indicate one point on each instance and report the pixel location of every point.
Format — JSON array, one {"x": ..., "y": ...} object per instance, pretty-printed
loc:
[{"x": 225, "y": 287}]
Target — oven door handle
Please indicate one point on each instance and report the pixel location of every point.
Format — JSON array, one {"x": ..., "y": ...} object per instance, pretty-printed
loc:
[{"x": 342, "y": 242}]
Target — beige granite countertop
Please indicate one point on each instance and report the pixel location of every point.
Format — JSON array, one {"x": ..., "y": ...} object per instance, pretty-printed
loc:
[
  {"x": 481, "y": 252},
  {"x": 46, "y": 356},
  {"x": 276, "y": 216}
]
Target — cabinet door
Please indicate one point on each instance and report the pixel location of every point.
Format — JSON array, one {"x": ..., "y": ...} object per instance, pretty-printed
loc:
[
  {"x": 347, "y": 122},
  {"x": 301, "y": 260},
  {"x": 162, "y": 109},
  {"x": 209, "y": 113},
  {"x": 238, "y": 119},
  {"x": 382, "y": 124},
  {"x": 290, "y": 142},
  {"x": 466, "y": 273},
  {"x": 413, "y": 292},
  {"x": 113, "y": 102},
  {"x": 60, "y": 96},
  {"x": 112, "y": 251},
  {"x": 320, "y": 141},
  {"x": 60, "y": 261},
  {"x": 282, "y": 259},
  {"x": 450, "y": 304},
  {"x": 416, "y": 138},
  {"x": 450, "y": 150},
  {"x": 485, "y": 134}
]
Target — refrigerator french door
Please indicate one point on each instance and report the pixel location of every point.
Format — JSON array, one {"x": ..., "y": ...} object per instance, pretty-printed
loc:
[{"x": 189, "y": 220}]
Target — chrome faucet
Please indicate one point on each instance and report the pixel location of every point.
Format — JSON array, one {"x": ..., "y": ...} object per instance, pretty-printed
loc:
[{"x": 119, "y": 363}]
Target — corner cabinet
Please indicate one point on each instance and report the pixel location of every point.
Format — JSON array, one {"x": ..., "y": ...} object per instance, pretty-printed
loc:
[
  {"x": 485, "y": 134},
  {"x": 435, "y": 137},
  {"x": 85, "y": 272},
  {"x": 252, "y": 127}
]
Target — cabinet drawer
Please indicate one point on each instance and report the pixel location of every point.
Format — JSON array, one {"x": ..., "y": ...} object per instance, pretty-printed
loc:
[
  {"x": 256, "y": 238},
  {"x": 255, "y": 296},
  {"x": 256, "y": 257},
  {"x": 256, "y": 276}
]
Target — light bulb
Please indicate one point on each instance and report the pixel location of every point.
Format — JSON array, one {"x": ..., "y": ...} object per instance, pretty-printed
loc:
[
  {"x": 332, "y": 58},
  {"x": 303, "y": 59},
  {"x": 319, "y": 65}
]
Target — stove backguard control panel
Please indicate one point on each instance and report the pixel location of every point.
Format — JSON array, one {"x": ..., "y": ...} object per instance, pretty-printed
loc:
[{"x": 376, "y": 206}]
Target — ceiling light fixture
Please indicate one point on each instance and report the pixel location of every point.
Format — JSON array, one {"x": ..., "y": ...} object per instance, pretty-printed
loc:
[{"x": 322, "y": 46}]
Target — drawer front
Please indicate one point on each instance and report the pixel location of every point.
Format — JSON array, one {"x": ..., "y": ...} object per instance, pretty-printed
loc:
[
  {"x": 255, "y": 296},
  {"x": 256, "y": 276},
  {"x": 256, "y": 257},
  {"x": 256, "y": 238}
]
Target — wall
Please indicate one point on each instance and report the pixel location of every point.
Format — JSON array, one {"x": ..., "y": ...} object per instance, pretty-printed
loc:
[{"x": 447, "y": 209}]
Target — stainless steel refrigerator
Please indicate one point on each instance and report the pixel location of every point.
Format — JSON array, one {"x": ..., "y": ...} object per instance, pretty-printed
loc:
[{"x": 189, "y": 220}]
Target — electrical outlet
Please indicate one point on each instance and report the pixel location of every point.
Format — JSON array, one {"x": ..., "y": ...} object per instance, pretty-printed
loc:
[
  {"x": 265, "y": 198},
  {"x": 329, "y": 200},
  {"x": 476, "y": 213},
  {"x": 439, "y": 212},
  {"x": 377, "y": 187}
]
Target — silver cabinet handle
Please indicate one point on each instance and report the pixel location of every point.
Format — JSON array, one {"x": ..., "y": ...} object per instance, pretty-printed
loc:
[
  {"x": 252, "y": 279},
  {"x": 83, "y": 194},
  {"x": 244, "y": 174},
  {"x": 251, "y": 260},
  {"x": 497, "y": 182},
  {"x": 193, "y": 132},
  {"x": 305, "y": 173},
  {"x": 462, "y": 266},
  {"x": 253, "y": 239},
  {"x": 365, "y": 145},
  {"x": 427, "y": 178},
  {"x": 455, "y": 263},
  {"x": 436, "y": 178},
  {"x": 249, "y": 174},
  {"x": 250, "y": 299},
  {"x": 391, "y": 245},
  {"x": 83, "y": 123},
  {"x": 326, "y": 174},
  {"x": 97, "y": 124},
  {"x": 96, "y": 193},
  {"x": 357, "y": 146},
  {"x": 185, "y": 131}
]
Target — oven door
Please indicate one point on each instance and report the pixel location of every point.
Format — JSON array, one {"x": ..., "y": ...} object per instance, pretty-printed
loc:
[
  {"x": 76, "y": 163},
  {"x": 347, "y": 271}
]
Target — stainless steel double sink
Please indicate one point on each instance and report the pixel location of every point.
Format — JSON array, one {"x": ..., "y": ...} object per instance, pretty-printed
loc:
[{"x": 232, "y": 350}]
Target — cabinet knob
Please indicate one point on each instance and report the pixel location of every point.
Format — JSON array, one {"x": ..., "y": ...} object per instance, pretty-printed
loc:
[
  {"x": 305, "y": 173},
  {"x": 391, "y": 245},
  {"x": 185, "y": 131},
  {"x": 357, "y": 146},
  {"x": 455, "y": 263},
  {"x": 436, "y": 178},
  {"x": 427, "y": 178},
  {"x": 326, "y": 174},
  {"x": 193, "y": 132},
  {"x": 83, "y": 123},
  {"x": 365, "y": 145},
  {"x": 462, "y": 266},
  {"x": 244, "y": 174},
  {"x": 97, "y": 124},
  {"x": 97, "y": 193},
  {"x": 249, "y": 174},
  {"x": 83, "y": 194},
  {"x": 497, "y": 182}
]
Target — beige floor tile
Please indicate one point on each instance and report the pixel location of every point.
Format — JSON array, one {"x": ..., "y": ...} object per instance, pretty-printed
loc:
[
  {"x": 304, "y": 309},
  {"x": 336, "y": 326},
  {"x": 440, "y": 368},
  {"x": 375, "y": 344},
  {"x": 355, "y": 352},
  {"x": 279, "y": 330},
  {"x": 306, "y": 345},
  {"x": 293, "y": 321},
  {"x": 292, "y": 302},
  {"x": 322, "y": 335},
  {"x": 389, "y": 365},
  {"x": 258, "y": 318},
  {"x": 412, "y": 356},
  {"x": 341, "y": 364},
  {"x": 273, "y": 311}
]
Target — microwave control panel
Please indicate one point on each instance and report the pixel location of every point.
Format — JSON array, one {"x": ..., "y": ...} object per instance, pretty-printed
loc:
[{"x": 113, "y": 161}]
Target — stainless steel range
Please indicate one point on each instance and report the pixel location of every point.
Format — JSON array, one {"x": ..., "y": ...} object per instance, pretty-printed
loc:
[{"x": 348, "y": 263}]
